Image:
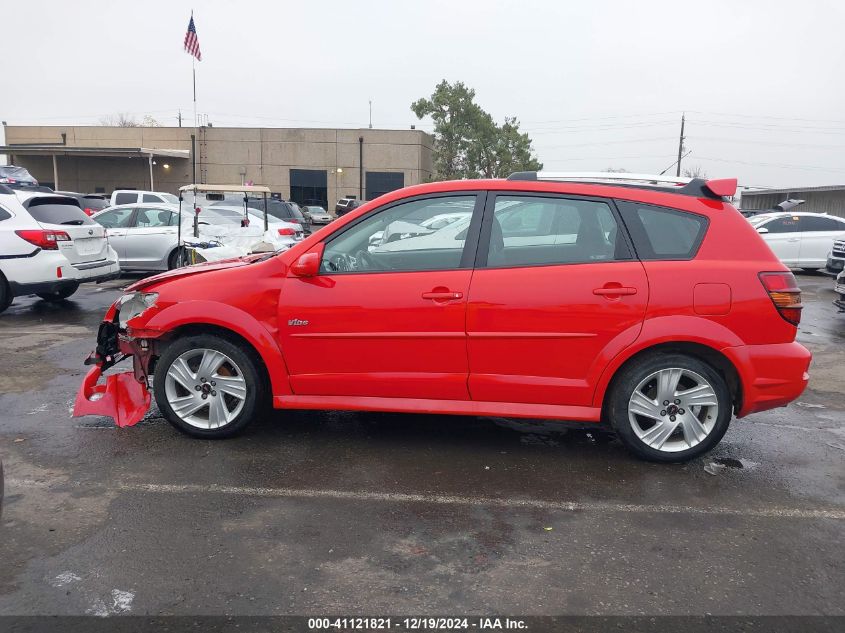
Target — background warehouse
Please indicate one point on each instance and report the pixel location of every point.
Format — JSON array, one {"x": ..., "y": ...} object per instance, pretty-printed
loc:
[{"x": 304, "y": 165}]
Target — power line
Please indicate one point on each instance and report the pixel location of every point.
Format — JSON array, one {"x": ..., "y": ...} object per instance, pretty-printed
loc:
[{"x": 781, "y": 166}]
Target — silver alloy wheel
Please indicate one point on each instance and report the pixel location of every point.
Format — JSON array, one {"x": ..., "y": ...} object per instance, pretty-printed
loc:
[
  {"x": 673, "y": 409},
  {"x": 205, "y": 388}
]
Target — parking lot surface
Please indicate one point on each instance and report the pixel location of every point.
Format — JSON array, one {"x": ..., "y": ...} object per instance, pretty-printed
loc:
[{"x": 360, "y": 513}]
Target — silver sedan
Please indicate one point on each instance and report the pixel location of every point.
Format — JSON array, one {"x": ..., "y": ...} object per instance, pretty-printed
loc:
[{"x": 144, "y": 235}]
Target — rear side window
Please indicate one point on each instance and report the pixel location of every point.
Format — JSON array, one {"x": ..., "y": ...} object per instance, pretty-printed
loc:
[
  {"x": 537, "y": 231},
  {"x": 148, "y": 197},
  {"x": 4, "y": 215},
  {"x": 662, "y": 233},
  {"x": 57, "y": 211},
  {"x": 821, "y": 223},
  {"x": 127, "y": 198},
  {"x": 151, "y": 218}
]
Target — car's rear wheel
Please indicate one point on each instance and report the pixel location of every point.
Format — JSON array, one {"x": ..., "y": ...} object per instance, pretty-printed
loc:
[
  {"x": 670, "y": 407},
  {"x": 5, "y": 293},
  {"x": 59, "y": 295},
  {"x": 208, "y": 387}
]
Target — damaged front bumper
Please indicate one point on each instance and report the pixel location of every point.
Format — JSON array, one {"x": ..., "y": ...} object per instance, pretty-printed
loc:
[{"x": 125, "y": 396}]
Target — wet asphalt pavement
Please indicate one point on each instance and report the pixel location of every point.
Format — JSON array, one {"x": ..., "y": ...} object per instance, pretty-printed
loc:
[{"x": 316, "y": 513}]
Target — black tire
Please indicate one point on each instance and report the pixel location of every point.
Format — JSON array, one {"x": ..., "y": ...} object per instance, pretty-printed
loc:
[
  {"x": 173, "y": 260},
  {"x": 637, "y": 371},
  {"x": 247, "y": 365},
  {"x": 5, "y": 294},
  {"x": 810, "y": 270},
  {"x": 59, "y": 295}
]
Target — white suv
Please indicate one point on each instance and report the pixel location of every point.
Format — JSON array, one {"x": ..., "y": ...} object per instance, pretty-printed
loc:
[{"x": 48, "y": 246}]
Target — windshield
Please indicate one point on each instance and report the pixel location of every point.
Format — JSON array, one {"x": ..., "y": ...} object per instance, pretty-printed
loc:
[
  {"x": 15, "y": 173},
  {"x": 759, "y": 219}
]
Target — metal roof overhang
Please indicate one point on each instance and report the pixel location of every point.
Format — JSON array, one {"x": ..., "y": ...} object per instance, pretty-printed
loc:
[
  {"x": 226, "y": 188},
  {"x": 93, "y": 152}
]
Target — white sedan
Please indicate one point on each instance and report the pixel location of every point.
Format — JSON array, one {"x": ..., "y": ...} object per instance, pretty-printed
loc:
[{"x": 800, "y": 239}]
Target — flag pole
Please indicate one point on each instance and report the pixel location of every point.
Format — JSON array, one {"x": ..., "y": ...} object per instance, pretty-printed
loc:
[{"x": 196, "y": 135}]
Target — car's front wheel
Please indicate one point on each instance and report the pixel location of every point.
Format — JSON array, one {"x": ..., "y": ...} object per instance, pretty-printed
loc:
[
  {"x": 669, "y": 407},
  {"x": 209, "y": 387},
  {"x": 59, "y": 295}
]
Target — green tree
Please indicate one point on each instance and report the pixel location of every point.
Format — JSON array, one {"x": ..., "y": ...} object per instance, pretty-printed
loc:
[{"x": 468, "y": 143}]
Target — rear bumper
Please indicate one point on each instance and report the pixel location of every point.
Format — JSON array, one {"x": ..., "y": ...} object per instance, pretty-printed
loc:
[
  {"x": 772, "y": 375},
  {"x": 41, "y": 287},
  {"x": 97, "y": 271}
]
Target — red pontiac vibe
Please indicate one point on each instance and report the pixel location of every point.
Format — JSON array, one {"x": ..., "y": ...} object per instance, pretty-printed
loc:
[{"x": 644, "y": 302}]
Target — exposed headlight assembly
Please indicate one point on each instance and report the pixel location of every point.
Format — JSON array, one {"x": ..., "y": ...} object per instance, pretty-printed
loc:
[{"x": 134, "y": 304}]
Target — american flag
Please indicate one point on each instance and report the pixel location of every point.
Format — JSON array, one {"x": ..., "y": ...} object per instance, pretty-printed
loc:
[{"x": 192, "y": 43}]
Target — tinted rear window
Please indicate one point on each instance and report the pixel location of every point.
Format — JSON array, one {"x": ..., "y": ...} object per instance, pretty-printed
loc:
[
  {"x": 126, "y": 198},
  {"x": 662, "y": 233},
  {"x": 57, "y": 211},
  {"x": 821, "y": 223}
]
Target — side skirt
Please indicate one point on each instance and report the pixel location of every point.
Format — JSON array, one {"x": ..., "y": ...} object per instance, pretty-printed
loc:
[{"x": 449, "y": 407}]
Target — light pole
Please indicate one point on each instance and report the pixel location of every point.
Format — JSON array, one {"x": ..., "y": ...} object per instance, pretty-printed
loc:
[{"x": 337, "y": 172}]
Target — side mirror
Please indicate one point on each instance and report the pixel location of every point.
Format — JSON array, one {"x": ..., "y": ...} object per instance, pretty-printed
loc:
[
  {"x": 762, "y": 230},
  {"x": 308, "y": 265}
]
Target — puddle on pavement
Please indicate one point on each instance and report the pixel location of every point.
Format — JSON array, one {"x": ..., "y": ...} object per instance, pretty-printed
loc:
[{"x": 720, "y": 465}]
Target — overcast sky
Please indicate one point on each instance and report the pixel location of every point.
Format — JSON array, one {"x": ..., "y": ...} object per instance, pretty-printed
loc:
[{"x": 596, "y": 84}]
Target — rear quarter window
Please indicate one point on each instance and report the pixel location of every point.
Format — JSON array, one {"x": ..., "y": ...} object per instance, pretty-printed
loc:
[
  {"x": 4, "y": 215},
  {"x": 57, "y": 211},
  {"x": 661, "y": 232},
  {"x": 126, "y": 198}
]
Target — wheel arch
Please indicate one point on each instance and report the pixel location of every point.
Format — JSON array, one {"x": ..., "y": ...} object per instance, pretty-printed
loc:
[
  {"x": 195, "y": 317},
  {"x": 710, "y": 355}
]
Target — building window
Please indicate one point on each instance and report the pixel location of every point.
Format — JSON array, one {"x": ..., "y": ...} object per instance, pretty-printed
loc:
[
  {"x": 382, "y": 182},
  {"x": 309, "y": 187}
]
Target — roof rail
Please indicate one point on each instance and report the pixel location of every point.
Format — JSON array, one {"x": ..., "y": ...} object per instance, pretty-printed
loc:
[
  {"x": 697, "y": 187},
  {"x": 599, "y": 176}
]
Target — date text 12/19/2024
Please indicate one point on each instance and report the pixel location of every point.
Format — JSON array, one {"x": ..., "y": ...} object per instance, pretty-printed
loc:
[{"x": 416, "y": 624}]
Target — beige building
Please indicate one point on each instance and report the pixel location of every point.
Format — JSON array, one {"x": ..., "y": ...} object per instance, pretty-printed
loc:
[{"x": 305, "y": 165}]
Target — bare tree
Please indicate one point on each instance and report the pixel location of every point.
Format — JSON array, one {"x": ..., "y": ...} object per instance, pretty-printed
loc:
[
  {"x": 121, "y": 119},
  {"x": 695, "y": 171}
]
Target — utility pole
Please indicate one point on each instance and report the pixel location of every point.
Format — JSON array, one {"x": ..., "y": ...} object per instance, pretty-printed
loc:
[
  {"x": 179, "y": 116},
  {"x": 680, "y": 146},
  {"x": 371, "y": 114}
]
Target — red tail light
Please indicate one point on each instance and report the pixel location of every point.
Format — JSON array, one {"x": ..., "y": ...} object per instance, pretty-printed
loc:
[
  {"x": 286, "y": 231},
  {"x": 89, "y": 211},
  {"x": 785, "y": 294},
  {"x": 46, "y": 240}
]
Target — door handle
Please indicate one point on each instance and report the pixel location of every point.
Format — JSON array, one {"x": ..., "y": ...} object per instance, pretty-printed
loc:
[
  {"x": 616, "y": 291},
  {"x": 794, "y": 239},
  {"x": 442, "y": 296}
]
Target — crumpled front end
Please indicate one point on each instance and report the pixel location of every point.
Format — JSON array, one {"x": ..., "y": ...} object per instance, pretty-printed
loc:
[{"x": 124, "y": 396}]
